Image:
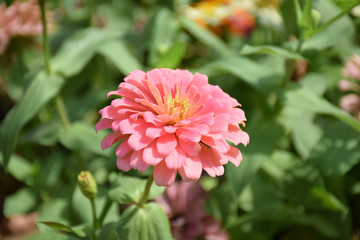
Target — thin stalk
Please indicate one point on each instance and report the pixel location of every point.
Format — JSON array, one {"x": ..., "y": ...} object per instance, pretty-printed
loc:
[
  {"x": 60, "y": 106},
  {"x": 291, "y": 66},
  {"x": 104, "y": 211},
  {"x": 146, "y": 191},
  {"x": 45, "y": 37},
  {"x": 93, "y": 208}
]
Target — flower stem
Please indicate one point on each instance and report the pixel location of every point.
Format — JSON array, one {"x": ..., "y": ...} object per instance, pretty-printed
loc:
[
  {"x": 146, "y": 191},
  {"x": 45, "y": 37},
  {"x": 60, "y": 106},
  {"x": 93, "y": 208},
  {"x": 291, "y": 65},
  {"x": 104, "y": 211}
]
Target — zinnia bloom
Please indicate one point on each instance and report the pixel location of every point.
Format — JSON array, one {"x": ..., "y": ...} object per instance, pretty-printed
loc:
[
  {"x": 184, "y": 204},
  {"x": 175, "y": 121},
  {"x": 19, "y": 19}
]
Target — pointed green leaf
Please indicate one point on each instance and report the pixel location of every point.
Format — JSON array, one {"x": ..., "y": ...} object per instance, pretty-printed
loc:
[
  {"x": 305, "y": 99},
  {"x": 263, "y": 78},
  {"x": 82, "y": 136},
  {"x": 41, "y": 90},
  {"x": 163, "y": 34},
  {"x": 77, "y": 50},
  {"x": 173, "y": 56},
  {"x": 120, "y": 56},
  {"x": 272, "y": 50},
  {"x": 206, "y": 37}
]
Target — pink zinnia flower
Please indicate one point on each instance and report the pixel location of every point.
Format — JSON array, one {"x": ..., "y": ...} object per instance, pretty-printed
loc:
[
  {"x": 184, "y": 204},
  {"x": 175, "y": 121}
]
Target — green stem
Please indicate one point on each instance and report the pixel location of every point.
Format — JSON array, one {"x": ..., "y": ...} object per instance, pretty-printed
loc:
[
  {"x": 291, "y": 66},
  {"x": 60, "y": 106},
  {"x": 104, "y": 211},
  {"x": 45, "y": 38},
  {"x": 93, "y": 208},
  {"x": 146, "y": 191}
]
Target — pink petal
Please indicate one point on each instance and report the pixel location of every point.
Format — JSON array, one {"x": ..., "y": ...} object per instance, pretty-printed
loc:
[
  {"x": 192, "y": 169},
  {"x": 175, "y": 159},
  {"x": 103, "y": 124},
  {"x": 234, "y": 156},
  {"x": 109, "y": 140},
  {"x": 163, "y": 176},
  {"x": 165, "y": 144},
  {"x": 210, "y": 162},
  {"x": 138, "y": 141},
  {"x": 137, "y": 162},
  {"x": 190, "y": 148},
  {"x": 123, "y": 163},
  {"x": 154, "y": 132},
  {"x": 189, "y": 134},
  {"x": 151, "y": 155},
  {"x": 123, "y": 149}
]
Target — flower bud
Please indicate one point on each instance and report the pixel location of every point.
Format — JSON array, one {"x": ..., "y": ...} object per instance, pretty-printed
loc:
[
  {"x": 316, "y": 17},
  {"x": 87, "y": 184}
]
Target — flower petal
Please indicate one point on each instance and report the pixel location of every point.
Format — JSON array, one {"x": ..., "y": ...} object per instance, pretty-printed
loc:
[
  {"x": 234, "y": 155},
  {"x": 190, "y": 148},
  {"x": 165, "y": 144},
  {"x": 123, "y": 163},
  {"x": 110, "y": 140},
  {"x": 151, "y": 155},
  {"x": 163, "y": 176},
  {"x": 138, "y": 141},
  {"x": 175, "y": 159},
  {"x": 137, "y": 162},
  {"x": 192, "y": 169}
]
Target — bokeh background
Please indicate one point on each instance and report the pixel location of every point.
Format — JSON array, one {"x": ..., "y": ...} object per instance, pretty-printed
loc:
[{"x": 293, "y": 65}]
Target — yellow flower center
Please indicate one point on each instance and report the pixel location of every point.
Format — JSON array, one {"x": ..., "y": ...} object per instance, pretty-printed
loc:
[{"x": 177, "y": 107}]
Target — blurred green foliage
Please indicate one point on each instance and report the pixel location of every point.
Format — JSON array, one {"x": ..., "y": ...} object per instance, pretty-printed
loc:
[{"x": 300, "y": 174}]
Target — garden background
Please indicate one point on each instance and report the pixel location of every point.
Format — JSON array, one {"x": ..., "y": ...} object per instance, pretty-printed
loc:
[{"x": 289, "y": 63}]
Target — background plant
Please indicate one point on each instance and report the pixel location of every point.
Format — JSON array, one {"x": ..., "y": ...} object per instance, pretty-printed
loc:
[{"x": 300, "y": 175}]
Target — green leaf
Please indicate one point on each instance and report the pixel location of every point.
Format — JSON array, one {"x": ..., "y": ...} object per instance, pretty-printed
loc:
[
  {"x": 52, "y": 236},
  {"x": 109, "y": 232},
  {"x": 342, "y": 28},
  {"x": 21, "y": 169},
  {"x": 148, "y": 223},
  {"x": 78, "y": 230},
  {"x": 263, "y": 78},
  {"x": 77, "y": 50},
  {"x": 42, "y": 89},
  {"x": 120, "y": 56},
  {"x": 304, "y": 99},
  {"x": 206, "y": 37},
  {"x": 291, "y": 14},
  {"x": 338, "y": 150},
  {"x": 307, "y": 22},
  {"x": 21, "y": 202},
  {"x": 272, "y": 50},
  {"x": 173, "y": 56},
  {"x": 163, "y": 35},
  {"x": 128, "y": 189},
  {"x": 82, "y": 136},
  {"x": 46, "y": 134},
  {"x": 265, "y": 135}
]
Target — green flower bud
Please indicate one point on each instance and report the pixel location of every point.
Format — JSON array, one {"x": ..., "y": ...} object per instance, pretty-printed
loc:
[
  {"x": 316, "y": 17},
  {"x": 87, "y": 184}
]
